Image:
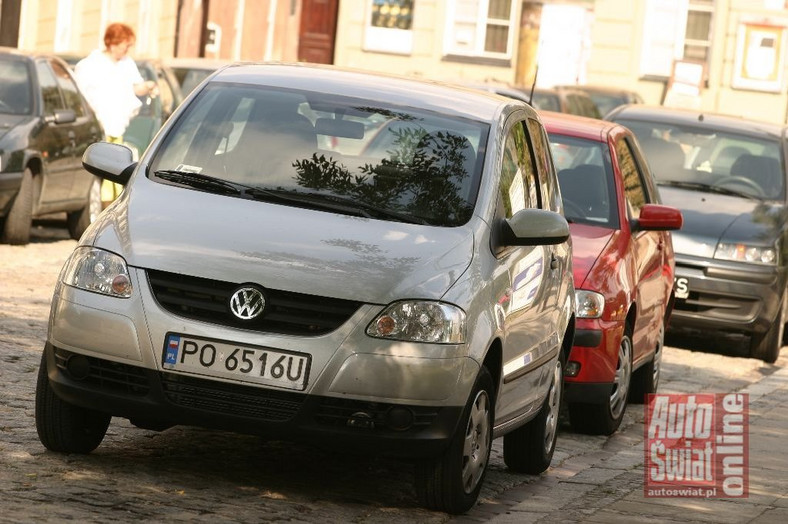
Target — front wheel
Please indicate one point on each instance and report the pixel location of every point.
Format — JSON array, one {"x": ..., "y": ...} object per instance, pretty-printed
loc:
[
  {"x": 645, "y": 380},
  {"x": 19, "y": 220},
  {"x": 767, "y": 346},
  {"x": 452, "y": 482},
  {"x": 530, "y": 448},
  {"x": 65, "y": 427},
  {"x": 605, "y": 418}
]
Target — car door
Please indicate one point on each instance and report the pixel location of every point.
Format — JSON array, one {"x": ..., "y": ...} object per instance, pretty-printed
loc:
[
  {"x": 54, "y": 141},
  {"x": 82, "y": 132},
  {"x": 527, "y": 307},
  {"x": 648, "y": 248}
]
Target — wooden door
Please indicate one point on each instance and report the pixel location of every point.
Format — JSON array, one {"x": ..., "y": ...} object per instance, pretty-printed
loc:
[{"x": 318, "y": 30}]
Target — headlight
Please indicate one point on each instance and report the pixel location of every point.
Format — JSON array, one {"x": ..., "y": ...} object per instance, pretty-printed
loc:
[
  {"x": 590, "y": 304},
  {"x": 98, "y": 271},
  {"x": 416, "y": 321},
  {"x": 746, "y": 253}
]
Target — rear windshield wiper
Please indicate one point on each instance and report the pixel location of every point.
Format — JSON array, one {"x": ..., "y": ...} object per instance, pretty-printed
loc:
[
  {"x": 709, "y": 188},
  {"x": 200, "y": 181},
  {"x": 335, "y": 203}
]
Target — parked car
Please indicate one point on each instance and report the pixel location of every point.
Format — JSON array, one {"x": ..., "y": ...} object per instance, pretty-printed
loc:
[
  {"x": 728, "y": 177},
  {"x": 45, "y": 126},
  {"x": 623, "y": 267},
  {"x": 189, "y": 72},
  {"x": 607, "y": 98},
  {"x": 557, "y": 99},
  {"x": 564, "y": 100},
  {"x": 416, "y": 300}
]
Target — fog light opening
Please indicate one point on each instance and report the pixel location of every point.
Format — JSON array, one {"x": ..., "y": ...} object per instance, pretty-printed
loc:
[
  {"x": 399, "y": 418},
  {"x": 78, "y": 367},
  {"x": 361, "y": 420},
  {"x": 572, "y": 369}
]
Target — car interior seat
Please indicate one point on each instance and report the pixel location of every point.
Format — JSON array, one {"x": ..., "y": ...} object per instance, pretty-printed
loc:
[
  {"x": 725, "y": 159},
  {"x": 665, "y": 158},
  {"x": 764, "y": 171},
  {"x": 586, "y": 187}
]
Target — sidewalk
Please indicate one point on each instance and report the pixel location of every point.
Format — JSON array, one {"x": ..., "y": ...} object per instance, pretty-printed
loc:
[{"x": 610, "y": 490}]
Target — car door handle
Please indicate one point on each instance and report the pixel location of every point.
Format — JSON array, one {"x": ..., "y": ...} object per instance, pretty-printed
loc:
[{"x": 553, "y": 262}]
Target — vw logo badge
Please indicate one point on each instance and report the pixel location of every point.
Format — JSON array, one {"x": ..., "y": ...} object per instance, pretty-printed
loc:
[{"x": 247, "y": 303}]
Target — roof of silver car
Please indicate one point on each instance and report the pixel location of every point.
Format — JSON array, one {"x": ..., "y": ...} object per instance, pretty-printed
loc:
[{"x": 394, "y": 90}]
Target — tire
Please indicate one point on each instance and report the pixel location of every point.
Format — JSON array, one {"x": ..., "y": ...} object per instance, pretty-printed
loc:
[
  {"x": 78, "y": 221},
  {"x": 64, "y": 427},
  {"x": 19, "y": 220},
  {"x": 767, "y": 346},
  {"x": 605, "y": 418},
  {"x": 452, "y": 482},
  {"x": 645, "y": 381},
  {"x": 530, "y": 448}
]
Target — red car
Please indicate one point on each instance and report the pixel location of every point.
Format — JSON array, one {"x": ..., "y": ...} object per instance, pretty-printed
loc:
[{"x": 623, "y": 268}]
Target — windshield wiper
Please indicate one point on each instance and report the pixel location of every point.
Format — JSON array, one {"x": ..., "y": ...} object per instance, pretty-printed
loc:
[
  {"x": 709, "y": 188},
  {"x": 200, "y": 181},
  {"x": 336, "y": 203}
]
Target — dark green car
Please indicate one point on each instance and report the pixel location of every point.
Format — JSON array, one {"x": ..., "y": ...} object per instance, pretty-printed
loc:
[{"x": 45, "y": 127}]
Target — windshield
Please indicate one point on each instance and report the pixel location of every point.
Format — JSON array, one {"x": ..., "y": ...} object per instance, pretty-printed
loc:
[
  {"x": 15, "y": 95},
  {"x": 712, "y": 160},
  {"x": 399, "y": 162},
  {"x": 585, "y": 175}
]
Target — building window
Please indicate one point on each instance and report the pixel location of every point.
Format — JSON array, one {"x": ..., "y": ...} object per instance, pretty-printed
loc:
[
  {"x": 389, "y": 26},
  {"x": 481, "y": 28},
  {"x": 676, "y": 30}
]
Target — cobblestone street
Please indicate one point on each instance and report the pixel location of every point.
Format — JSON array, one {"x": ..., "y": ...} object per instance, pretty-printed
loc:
[{"x": 195, "y": 475}]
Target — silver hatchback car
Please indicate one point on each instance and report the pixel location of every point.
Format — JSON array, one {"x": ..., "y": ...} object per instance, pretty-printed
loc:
[{"x": 331, "y": 256}]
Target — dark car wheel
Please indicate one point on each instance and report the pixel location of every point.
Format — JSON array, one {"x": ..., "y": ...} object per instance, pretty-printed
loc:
[
  {"x": 767, "y": 346},
  {"x": 65, "y": 427},
  {"x": 452, "y": 482},
  {"x": 78, "y": 221},
  {"x": 530, "y": 448},
  {"x": 605, "y": 418},
  {"x": 645, "y": 380},
  {"x": 19, "y": 220}
]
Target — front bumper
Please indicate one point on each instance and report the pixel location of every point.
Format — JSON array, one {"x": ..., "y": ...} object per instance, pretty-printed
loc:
[
  {"x": 157, "y": 400},
  {"x": 595, "y": 351},
  {"x": 10, "y": 181},
  {"x": 370, "y": 394},
  {"x": 726, "y": 296}
]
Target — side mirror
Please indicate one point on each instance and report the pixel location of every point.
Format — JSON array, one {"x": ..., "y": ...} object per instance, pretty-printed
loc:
[
  {"x": 655, "y": 217},
  {"x": 532, "y": 227},
  {"x": 62, "y": 116},
  {"x": 114, "y": 162}
]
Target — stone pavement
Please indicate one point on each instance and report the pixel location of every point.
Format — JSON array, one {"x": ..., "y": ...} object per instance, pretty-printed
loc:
[{"x": 606, "y": 485}]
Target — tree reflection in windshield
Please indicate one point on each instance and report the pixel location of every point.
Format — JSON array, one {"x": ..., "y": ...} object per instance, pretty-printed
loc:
[{"x": 424, "y": 175}]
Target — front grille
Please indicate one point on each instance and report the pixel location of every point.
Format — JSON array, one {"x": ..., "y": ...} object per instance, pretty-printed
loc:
[
  {"x": 231, "y": 399},
  {"x": 337, "y": 412},
  {"x": 108, "y": 375},
  {"x": 285, "y": 312}
]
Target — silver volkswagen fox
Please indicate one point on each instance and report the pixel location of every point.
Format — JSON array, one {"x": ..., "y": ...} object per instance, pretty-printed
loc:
[{"x": 324, "y": 255}]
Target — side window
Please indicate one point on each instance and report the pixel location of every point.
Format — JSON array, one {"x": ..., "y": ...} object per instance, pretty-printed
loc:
[
  {"x": 518, "y": 178},
  {"x": 634, "y": 191},
  {"x": 69, "y": 88},
  {"x": 544, "y": 162},
  {"x": 165, "y": 93},
  {"x": 49, "y": 90}
]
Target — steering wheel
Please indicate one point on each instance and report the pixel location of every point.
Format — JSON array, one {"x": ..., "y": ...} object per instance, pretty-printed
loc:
[
  {"x": 741, "y": 182},
  {"x": 573, "y": 210}
]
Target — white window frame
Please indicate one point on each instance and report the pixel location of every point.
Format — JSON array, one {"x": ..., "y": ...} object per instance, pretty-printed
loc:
[
  {"x": 480, "y": 21},
  {"x": 665, "y": 35},
  {"x": 386, "y": 39}
]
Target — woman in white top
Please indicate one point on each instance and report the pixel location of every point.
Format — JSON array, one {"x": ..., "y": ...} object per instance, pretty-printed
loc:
[{"x": 111, "y": 83}]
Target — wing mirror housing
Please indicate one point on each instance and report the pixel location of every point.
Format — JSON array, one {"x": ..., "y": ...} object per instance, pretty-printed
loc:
[
  {"x": 656, "y": 217},
  {"x": 113, "y": 162},
  {"x": 532, "y": 227}
]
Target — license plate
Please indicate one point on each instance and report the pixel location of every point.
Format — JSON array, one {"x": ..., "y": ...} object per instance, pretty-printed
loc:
[
  {"x": 273, "y": 367},
  {"x": 681, "y": 287}
]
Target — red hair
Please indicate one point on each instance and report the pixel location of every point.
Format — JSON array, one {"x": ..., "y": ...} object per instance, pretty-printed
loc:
[{"x": 118, "y": 33}]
